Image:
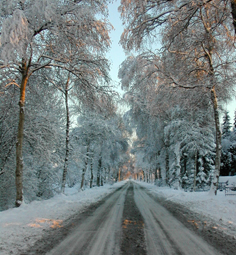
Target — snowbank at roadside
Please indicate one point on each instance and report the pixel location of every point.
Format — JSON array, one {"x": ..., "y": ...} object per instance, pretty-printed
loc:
[
  {"x": 221, "y": 209},
  {"x": 21, "y": 227}
]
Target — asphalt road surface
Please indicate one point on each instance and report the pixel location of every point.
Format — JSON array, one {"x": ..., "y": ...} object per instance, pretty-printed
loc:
[{"x": 131, "y": 222}]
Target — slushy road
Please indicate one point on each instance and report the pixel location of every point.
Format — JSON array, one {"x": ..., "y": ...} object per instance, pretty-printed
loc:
[{"x": 105, "y": 231}]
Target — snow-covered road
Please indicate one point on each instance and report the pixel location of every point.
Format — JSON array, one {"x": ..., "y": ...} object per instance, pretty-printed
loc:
[
  {"x": 164, "y": 233},
  {"x": 94, "y": 222},
  {"x": 99, "y": 234}
]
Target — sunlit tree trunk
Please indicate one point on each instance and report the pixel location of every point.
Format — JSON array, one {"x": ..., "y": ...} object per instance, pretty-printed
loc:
[
  {"x": 214, "y": 185},
  {"x": 215, "y": 182},
  {"x": 209, "y": 53},
  {"x": 67, "y": 137},
  {"x": 20, "y": 136}
]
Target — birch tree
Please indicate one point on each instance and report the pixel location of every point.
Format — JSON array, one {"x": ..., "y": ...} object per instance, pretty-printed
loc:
[
  {"x": 42, "y": 142},
  {"x": 199, "y": 34},
  {"x": 144, "y": 20},
  {"x": 35, "y": 35},
  {"x": 212, "y": 64}
]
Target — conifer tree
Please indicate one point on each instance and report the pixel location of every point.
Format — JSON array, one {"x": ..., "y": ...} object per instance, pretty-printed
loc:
[
  {"x": 226, "y": 126},
  {"x": 233, "y": 147},
  {"x": 226, "y": 157}
]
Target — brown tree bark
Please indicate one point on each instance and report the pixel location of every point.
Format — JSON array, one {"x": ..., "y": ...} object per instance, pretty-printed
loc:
[
  {"x": 67, "y": 136},
  {"x": 218, "y": 140},
  {"x": 20, "y": 136},
  {"x": 208, "y": 51}
]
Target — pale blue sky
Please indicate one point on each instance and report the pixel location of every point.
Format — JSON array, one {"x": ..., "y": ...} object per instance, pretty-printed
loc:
[{"x": 116, "y": 54}]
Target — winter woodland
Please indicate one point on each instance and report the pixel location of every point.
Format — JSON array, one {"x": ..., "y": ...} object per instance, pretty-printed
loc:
[{"x": 60, "y": 118}]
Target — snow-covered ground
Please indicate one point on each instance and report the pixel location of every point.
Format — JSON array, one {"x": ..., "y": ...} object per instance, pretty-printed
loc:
[{"x": 21, "y": 227}]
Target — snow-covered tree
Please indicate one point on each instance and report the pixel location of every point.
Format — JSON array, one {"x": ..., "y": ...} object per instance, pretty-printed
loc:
[
  {"x": 101, "y": 141},
  {"x": 226, "y": 126},
  {"x": 200, "y": 41},
  {"x": 37, "y": 35},
  {"x": 233, "y": 147},
  {"x": 42, "y": 143},
  {"x": 145, "y": 19},
  {"x": 169, "y": 121},
  {"x": 226, "y": 145}
]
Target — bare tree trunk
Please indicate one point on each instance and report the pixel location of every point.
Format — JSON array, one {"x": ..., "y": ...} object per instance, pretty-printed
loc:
[
  {"x": 99, "y": 172},
  {"x": 208, "y": 52},
  {"x": 67, "y": 137},
  {"x": 195, "y": 172},
  {"x": 20, "y": 136},
  {"x": 82, "y": 181},
  {"x": 91, "y": 177},
  {"x": 98, "y": 178},
  {"x": 214, "y": 185},
  {"x": 177, "y": 164},
  {"x": 110, "y": 176},
  {"x": 155, "y": 176},
  {"x": 167, "y": 166},
  {"x": 85, "y": 168},
  {"x": 215, "y": 182}
]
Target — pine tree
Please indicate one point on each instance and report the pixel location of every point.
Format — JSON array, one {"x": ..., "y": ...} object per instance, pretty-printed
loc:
[
  {"x": 226, "y": 126},
  {"x": 233, "y": 147},
  {"x": 226, "y": 158}
]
